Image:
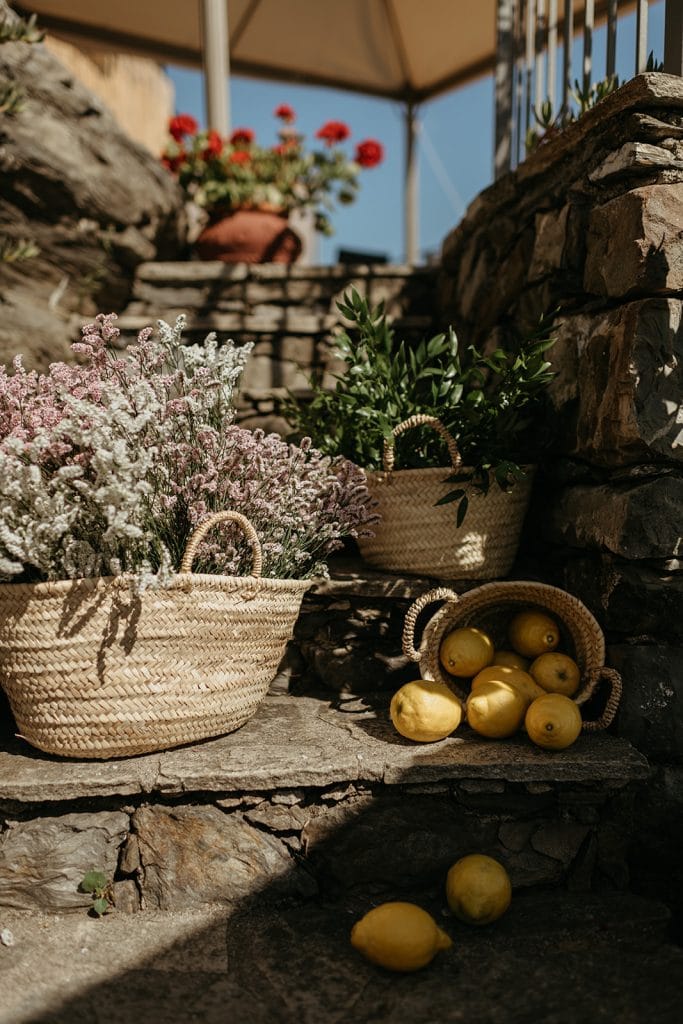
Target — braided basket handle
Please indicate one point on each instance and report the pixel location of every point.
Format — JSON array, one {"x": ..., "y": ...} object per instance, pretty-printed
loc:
[
  {"x": 408, "y": 642},
  {"x": 612, "y": 677},
  {"x": 207, "y": 524},
  {"x": 419, "y": 420}
]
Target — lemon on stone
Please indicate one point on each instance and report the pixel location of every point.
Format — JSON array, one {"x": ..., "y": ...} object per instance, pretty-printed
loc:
[
  {"x": 464, "y": 652},
  {"x": 553, "y": 721},
  {"x": 425, "y": 710},
  {"x": 399, "y": 936},
  {"x": 496, "y": 710},
  {"x": 478, "y": 889}
]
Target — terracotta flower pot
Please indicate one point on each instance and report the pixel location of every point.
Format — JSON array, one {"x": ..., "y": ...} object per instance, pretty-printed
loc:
[{"x": 249, "y": 236}]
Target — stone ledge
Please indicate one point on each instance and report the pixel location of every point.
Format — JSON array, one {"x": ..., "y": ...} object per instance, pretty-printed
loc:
[
  {"x": 214, "y": 270},
  {"x": 305, "y": 741}
]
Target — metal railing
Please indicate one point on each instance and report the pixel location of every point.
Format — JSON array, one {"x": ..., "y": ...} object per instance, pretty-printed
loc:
[{"x": 530, "y": 34}]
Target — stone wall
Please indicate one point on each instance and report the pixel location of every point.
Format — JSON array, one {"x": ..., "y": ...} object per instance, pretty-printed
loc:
[
  {"x": 289, "y": 313},
  {"x": 93, "y": 203},
  {"x": 590, "y": 228}
]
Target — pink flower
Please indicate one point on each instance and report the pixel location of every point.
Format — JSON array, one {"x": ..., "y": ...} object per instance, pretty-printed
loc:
[
  {"x": 242, "y": 136},
  {"x": 182, "y": 125},
  {"x": 369, "y": 153},
  {"x": 285, "y": 113},
  {"x": 333, "y": 132}
]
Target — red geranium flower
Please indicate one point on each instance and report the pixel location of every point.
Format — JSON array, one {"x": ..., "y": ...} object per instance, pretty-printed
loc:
[
  {"x": 285, "y": 113},
  {"x": 182, "y": 125},
  {"x": 369, "y": 153},
  {"x": 172, "y": 163},
  {"x": 240, "y": 156},
  {"x": 214, "y": 145},
  {"x": 332, "y": 132},
  {"x": 244, "y": 135}
]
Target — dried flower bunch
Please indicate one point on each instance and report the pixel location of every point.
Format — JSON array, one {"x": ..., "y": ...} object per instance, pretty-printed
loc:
[
  {"x": 223, "y": 174},
  {"x": 106, "y": 467}
]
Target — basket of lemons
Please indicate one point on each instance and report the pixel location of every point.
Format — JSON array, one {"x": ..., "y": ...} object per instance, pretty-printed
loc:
[{"x": 517, "y": 655}]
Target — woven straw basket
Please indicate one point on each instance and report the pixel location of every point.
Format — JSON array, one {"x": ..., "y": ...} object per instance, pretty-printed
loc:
[
  {"x": 415, "y": 536},
  {"x": 490, "y": 608},
  {"x": 93, "y": 669}
]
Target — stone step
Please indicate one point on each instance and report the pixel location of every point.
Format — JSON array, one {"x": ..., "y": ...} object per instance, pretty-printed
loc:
[
  {"x": 553, "y": 959},
  {"x": 317, "y": 797}
]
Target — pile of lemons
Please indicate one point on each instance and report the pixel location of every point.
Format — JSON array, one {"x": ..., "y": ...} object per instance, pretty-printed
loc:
[
  {"x": 404, "y": 937},
  {"x": 528, "y": 687}
]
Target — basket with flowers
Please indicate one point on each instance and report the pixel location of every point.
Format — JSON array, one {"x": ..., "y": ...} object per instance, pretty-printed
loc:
[{"x": 153, "y": 555}]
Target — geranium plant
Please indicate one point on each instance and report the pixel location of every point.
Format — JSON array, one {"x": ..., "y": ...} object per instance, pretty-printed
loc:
[
  {"x": 222, "y": 174},
  {"x": 108, "y": 466}
]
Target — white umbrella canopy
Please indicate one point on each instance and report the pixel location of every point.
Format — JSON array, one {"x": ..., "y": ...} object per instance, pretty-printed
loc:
[
  {"x": 401, "y": 49},
  {"x": 407, "y": 50}
]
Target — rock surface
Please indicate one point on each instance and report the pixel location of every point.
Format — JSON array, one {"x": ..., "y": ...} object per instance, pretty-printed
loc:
[
  {"x": 94, "y": 202},
  {"x": 43, "y": 861},
  {"x": 195, "y": 855}
]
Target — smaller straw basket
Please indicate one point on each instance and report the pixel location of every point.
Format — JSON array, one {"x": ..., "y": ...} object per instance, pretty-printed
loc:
[
  {"x": 416, "y": 535},
  {"x": 93, "y": 669},
  {"x": 490, "y": 608}
]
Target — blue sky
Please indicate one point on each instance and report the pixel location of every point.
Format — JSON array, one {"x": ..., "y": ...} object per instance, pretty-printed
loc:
[{"x": 456, "y": 149}]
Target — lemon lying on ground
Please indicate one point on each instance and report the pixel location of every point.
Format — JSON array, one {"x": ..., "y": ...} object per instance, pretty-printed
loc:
[
  {"x": 425, "y": 710},
  {"x": 496, "y": 710},
  {"x": 556, "y": 673},
  {"x": 532, "y": 633},
  {"x": 466, "y": 651},
  {"x": 478, "y": 889},
  {"x": 516, "y": 677},
  {"x": 399, "y": 936},
  {"x": 553, "y": 721}
]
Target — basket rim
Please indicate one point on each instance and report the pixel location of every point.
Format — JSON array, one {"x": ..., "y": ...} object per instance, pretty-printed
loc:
[
  {"x": 181, "y": 581},
  {"x": 520, "y": 592},
  {"x": 384, "y": 474}
]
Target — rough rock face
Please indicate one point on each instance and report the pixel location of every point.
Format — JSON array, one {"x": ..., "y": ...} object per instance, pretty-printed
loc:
[{"x": 94, "y": 202}]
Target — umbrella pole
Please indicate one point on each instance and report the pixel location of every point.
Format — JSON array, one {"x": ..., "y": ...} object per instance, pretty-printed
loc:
[
  {"x": 216, "y": 60},
  {"x": 411, "y": 195}
]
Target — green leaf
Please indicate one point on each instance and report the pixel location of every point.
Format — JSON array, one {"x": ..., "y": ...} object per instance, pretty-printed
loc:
[
  {"x": 451, "y": 496},
  {"x": 462, "y": 511},
  {"x": 93, "y": 881},
  {"x": 100, "y": 906}
]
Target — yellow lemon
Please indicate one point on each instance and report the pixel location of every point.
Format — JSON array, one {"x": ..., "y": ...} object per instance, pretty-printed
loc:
[
  {"x": 399, "y": 936},
  {"x": 425, "y": 710},
  {"x": 532, "y": 633},
  {"x": 464, "y": 652},
  {"x": 478, "y": 889},
  {"x": 553, "y": 721},
  {"x": 522, "y": 681},
  {"x": 511, "y": 660},
  {"x": 556, "y": 673},
  {"x": 496, "y": 710}
]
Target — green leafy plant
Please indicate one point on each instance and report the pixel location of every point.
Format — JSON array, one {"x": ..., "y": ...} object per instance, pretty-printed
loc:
[
  {"x": 16, "y": 30},
  {"x": 12, "y": 251},
  {"x": 486, "y": 401},
  {"x": 101, "y": 890},
  {"x": 549, "y": 124},
  {"x": 11, "y": 99}
]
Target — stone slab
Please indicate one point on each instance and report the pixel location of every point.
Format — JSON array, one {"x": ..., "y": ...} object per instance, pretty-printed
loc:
[
  {"x": 194, "y": 271},
  {"x": 551, "y": 959},
  {"x": 305, "y": 741}
]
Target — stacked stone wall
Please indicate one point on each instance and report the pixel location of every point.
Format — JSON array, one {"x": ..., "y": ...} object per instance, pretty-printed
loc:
[{"x": 590, "y": 230}]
